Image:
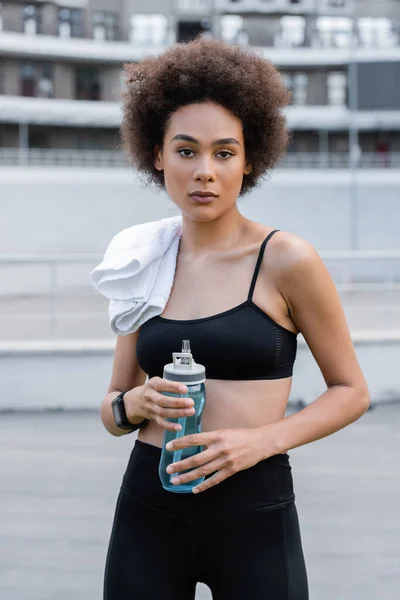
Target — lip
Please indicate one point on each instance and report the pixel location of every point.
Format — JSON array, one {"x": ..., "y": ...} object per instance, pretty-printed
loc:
[{"x": 202, "y": 197}]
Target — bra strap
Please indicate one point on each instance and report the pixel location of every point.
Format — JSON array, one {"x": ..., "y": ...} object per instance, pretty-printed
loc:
[{"x": 259, "y": 260}]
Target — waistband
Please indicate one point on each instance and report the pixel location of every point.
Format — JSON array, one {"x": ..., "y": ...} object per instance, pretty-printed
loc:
[{"x": 268, "y": 485}]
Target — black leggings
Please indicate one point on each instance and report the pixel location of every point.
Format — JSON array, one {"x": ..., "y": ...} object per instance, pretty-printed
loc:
[{"x": 241, "y": 537}]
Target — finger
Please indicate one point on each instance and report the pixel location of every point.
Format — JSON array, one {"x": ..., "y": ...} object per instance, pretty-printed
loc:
[
  {"x": 192, "y": 462},
  {"x": 171, "y": 426},
  {"x": 212, "y": 481},
  {"x": 195, "y": 439},
  {"x": 202, "y": 471},
  {"x": 170, "y": 413},
  {"x": 164, "y": 385},
  {"x": 168, "y": 402}
]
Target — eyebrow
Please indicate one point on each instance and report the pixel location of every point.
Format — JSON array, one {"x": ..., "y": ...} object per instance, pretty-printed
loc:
[{"x": 189, "y": 138}]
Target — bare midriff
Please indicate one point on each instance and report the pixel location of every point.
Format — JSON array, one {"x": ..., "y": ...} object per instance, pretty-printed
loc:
[{"x": 232, "y": 404}]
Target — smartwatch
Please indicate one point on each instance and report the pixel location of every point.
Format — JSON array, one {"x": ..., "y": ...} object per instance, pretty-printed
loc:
[{"x": 119, "y": 412}]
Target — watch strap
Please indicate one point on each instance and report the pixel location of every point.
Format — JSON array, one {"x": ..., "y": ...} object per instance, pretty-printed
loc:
[{"x": 124, "y": 423}]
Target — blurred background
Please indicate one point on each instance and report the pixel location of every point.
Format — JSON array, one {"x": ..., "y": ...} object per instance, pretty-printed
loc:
[{"x": 66, "y": 188}]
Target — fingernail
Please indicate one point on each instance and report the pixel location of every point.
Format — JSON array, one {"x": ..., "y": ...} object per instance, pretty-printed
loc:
[
  {"x": 169, "y": 446},
  {"x": 175, "y": 480}
]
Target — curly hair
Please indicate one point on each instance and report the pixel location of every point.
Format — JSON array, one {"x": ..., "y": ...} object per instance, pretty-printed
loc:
[{"x": 250, "y": 86}]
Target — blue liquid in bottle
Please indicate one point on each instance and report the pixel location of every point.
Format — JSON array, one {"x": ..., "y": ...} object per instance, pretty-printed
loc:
[{"x": 185, "y": 370}]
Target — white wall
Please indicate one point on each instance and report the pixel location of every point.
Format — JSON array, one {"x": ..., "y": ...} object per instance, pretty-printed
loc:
[{"x": 72, "y": 210}]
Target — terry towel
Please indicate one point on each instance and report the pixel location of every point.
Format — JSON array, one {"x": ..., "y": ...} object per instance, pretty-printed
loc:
[{"x": 137, "y": 272}]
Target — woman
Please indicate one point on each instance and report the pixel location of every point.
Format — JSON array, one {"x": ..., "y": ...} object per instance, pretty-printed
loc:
[{"x": 204, "y": 119}]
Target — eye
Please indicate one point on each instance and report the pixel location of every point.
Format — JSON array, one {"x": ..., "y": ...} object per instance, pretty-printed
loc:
[
  {"x": 185, "y": 150},
  {"x": 225, "y": 152}
]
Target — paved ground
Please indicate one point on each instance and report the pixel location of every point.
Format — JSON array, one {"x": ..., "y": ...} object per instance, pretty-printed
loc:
[
  {"x": 60, "y": 475},
  {"x": 82, "y": 313}
]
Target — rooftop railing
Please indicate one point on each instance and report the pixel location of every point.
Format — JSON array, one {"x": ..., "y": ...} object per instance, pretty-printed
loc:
[
  {"x": 50, "y": 297},
  {"x": 115, "y": 158}
]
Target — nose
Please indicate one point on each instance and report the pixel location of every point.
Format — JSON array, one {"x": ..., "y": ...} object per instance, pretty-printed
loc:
[{"x": 204, "y": 170}]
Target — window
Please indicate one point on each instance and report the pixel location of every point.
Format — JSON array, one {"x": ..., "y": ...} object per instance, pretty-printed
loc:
[
  {"x": 337, "y": 88},
  {"x": 376, "y": 32},
  {"x": 297, "y": 83},
  {"x": 38, "y": 137},
  {"x": 231, "y": 25},
  {"x": 90, "y": 143},
  {"x": 288, "y": 80},
  {"x": 104, "y": 26},
  {"x": 188, "y": 30},
  {"x": 37, "y": 79},
  {"x": 149, "y": 29},
  {"x": 45, "y": 80},
  {"x": 300, "y": 89},
  {"x": 28, "y": 79},
  {"x": 292, "y": 32},
  {"x": 334, "y": 32},
  {"x": 31, "y": 19},
  {"x": 87, "y": 83},
  {"x": 70, "y": 22}
]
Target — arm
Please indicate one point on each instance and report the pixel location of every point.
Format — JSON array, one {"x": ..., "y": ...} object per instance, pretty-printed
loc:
[
  {"x": 316, "y": 309},
  {"x": 126, "y": 375}
]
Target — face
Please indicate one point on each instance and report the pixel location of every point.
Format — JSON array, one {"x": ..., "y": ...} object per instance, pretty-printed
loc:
[{"x": 203, "y": 150}]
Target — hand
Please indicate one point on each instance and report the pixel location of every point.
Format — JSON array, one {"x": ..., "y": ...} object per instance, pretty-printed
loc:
[
  {"x": 147, "y": 402},
  {"x": 228, "y": 451}
]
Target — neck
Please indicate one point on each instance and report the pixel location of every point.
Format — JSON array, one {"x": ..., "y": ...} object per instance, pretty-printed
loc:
[{"x": 222, "y": 234}]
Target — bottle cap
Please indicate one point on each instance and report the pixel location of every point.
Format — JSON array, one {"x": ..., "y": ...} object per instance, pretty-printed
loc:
[{"x": 184, "y": 368}]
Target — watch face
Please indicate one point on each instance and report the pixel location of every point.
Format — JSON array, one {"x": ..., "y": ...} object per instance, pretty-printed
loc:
[{"x": 116, "y": 412}]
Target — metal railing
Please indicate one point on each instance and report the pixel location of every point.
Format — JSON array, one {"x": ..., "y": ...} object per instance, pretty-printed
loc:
[
  {"x": 117, "y": 158},
  {"x": 49, "y": 296},
  {"x": 62, "y": 157},
  {"x": 340, "y": 160}
]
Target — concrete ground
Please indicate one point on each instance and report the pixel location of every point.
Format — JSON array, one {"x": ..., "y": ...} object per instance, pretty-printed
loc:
[{"x": 60, "y": 474}]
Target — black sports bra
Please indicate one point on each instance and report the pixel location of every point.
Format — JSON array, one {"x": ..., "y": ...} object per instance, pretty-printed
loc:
[{"x": 239, "y": 343}]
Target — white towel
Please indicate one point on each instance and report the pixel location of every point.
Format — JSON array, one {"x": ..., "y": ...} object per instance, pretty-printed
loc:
[{"x": 137, "y": 272}]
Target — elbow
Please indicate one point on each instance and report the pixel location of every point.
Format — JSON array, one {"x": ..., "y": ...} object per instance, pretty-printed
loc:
[
  {"x": 106, "y": 418},
  {"x": 356, "y": 402},
  {"x": 363, "y": 399}
]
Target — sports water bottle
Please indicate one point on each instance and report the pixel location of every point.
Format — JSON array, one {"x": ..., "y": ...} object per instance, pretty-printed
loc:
[{"x": 183, "y": 369}]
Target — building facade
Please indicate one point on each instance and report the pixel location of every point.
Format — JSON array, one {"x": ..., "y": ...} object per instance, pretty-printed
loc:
[{"x": 61, "y": 67}]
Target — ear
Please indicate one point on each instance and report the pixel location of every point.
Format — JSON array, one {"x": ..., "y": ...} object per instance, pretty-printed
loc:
[
  {"x": 158, "y": 158},
  {"x": 248, "y": 169}
]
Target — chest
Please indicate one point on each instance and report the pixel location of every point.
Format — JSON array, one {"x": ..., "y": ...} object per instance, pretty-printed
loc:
[{"x": 209, "y": 286}]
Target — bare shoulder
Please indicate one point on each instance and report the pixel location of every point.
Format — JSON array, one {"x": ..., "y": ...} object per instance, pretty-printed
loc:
[
  {"x": 300, "y": 275},
  {"x": 290, "y": 252}
]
